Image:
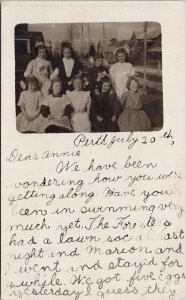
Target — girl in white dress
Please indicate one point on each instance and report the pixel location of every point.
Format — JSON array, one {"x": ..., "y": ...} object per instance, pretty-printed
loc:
[
  {"x": 30, "y": 101},
  {"x": 57, "y": 110},
  {"x": 80, "y": 101},
  {"x": 42, "y": 69},
  {"x": 120, "y": 72}
]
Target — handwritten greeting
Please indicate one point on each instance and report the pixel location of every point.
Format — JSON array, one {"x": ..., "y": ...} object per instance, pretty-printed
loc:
[{"x": 107, "y": 226}]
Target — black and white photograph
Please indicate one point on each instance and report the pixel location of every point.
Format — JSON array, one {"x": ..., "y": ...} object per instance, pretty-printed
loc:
[
  {"x": 88, "y": 77},
  {"x": 98, "y": 214}
]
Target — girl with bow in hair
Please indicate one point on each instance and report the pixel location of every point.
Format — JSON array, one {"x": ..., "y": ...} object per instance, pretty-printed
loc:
[
  {"x": 105, "y": 108},
  {"x": 41, "y": 68}
]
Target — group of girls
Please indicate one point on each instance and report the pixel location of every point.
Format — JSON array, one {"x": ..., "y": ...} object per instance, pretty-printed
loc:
[{"x": 59, "y": 98}]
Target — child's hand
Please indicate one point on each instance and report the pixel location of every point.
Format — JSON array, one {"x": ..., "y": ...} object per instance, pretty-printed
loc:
[
  {"x": 56, "y": 72},
  {"x": 97, "y": 92},
  {"x": 113, "y": 119},
  {"x": 29, "y": 119},
  {"x": 99, "y": 118},
  {"x": 23, "y": 85},
  {"x": 50, "y": 117},
  {"x": 86, "y": 81},
  {"x": 112, "y": 92}
]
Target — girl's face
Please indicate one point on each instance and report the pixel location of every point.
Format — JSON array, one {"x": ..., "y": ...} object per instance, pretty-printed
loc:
[
  {"x": 42, "y": 53},
  {"x": 56, "y": 88},
  {"x": 98, "y": 62},
  {"x": 32, "y": 86},
  {"x": 67, "y": 53},
  {"x": 134, "y": 86},
  {"x": 77, "y": 84},
  {"x": 105, "y": 87},
  {"x": 121, "y": 57}
]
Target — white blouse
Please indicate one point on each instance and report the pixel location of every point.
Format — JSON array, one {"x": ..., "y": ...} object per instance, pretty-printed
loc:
[
  {"x": 68, "y": 64},
  {"x": 80, "y": 101},
  {"x": 120, "y": 73}
]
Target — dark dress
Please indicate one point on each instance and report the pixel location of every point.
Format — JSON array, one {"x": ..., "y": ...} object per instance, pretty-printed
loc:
[
  {"x": 106, "y": 106},
  {"x": 62, "y": 74},
  {"x": 92, "y": 76}
]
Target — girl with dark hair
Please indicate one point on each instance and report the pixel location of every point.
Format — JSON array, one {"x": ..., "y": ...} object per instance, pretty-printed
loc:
[
  {"x": 133, "y": 118},
  {"x": 41, "y": 68},
  {"x": 121, "y": 71},
  {"x": 96, "y": 72},
  {"x": 67, "y": 67},
  {"x": 30, "y": 101},
  {"x": 105, "y": 108}
]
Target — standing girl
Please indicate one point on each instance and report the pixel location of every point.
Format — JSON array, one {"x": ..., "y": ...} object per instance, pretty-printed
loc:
[
  {"x": 120, "y": 72},
  {"x": 30, "y": 102},
  {"x": 96, "y": 72},
  {"x": 57, "y": 109},
  {"x": 133, "y": 118},
  {"x": 80, "y": 101},
  {"x": 67, "y": 67},
  {"x": 105, "y": 108},
  {"x": 41, "y": 68}
]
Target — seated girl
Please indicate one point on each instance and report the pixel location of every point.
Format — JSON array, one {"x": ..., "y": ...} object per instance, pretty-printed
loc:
[
  {"x": 105, "y": 108},
  {"x": 30, "y": 101},
  {"x": 133, "y": 118},
  {"x": 80, "y": 101},
  {"x": 57, "y": 109}
]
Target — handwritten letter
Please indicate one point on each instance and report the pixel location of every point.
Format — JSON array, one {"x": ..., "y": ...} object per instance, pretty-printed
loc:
[
  {"x": 97, "y": 216},
  {"x": 95, "y": 226}
]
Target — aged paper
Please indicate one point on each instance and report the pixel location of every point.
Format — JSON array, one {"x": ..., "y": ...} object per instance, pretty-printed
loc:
[{"x": 95, "y": 215}]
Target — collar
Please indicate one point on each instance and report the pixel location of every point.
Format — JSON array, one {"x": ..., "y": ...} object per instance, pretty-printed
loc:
[
  {"x": 67, "y": 59},
  {"x": 40, "y": 59}
]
